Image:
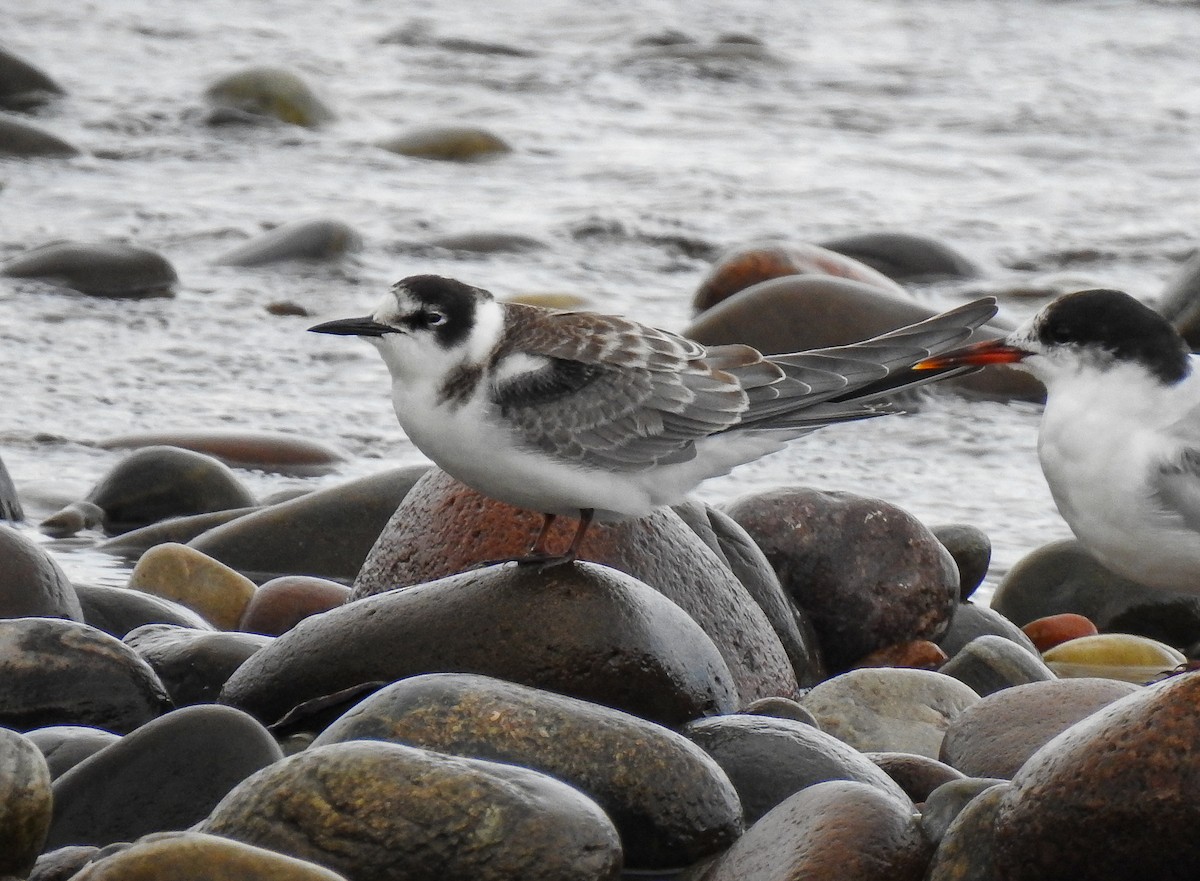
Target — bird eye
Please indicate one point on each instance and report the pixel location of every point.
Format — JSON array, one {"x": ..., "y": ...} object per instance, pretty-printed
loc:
[
  {"x": 1059, "y": 333},
  {"x": 434, "y": 319}
]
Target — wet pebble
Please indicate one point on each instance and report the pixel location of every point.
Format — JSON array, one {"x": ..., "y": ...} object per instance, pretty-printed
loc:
[
  {"x": 1114, "y": 656},
  {"x": 24, "y": 86},
  {"x": 917, "y": 775},
  {"x": 972, "y": 621},
  {"x": 1045, "y": 633},
  {"x": 132, "y": 544},
  {"x": 1173, "y": 620},
  {"x": 65, "y": 746},
  {"x": 258, "y": 94},
  {"x": 920, "y": 654},
  {"x": 584, "y": 630},
  {"x": 193, "y": 664},
  {"x": 991, "y": 663},
  {"x": 965, "y": 851},
  {"x": 271, "y": 451},
  {"x": 186, "y": 576},
  {"x": 885, "y": 709},
  {"x": 906, "y": 257},
  {"x": 31, "y": 582},
  {"x": 25, "y": 804},
  {"x": 485, "y": 242},
  {"x": 948, "y": 801},
  {"x": 315, "y": 239},
  {"x": 972, "y": 552},
  {"x": 282, "y": 603},
  {"x": 671, "y": 803},
  {"x": 463, "y": 819},
  {"x": 166, "y": 775},
  {"x": 10, "y": 502},
  {"x": 26, "y": 140},
  {"x": 118, "y": 610},
  {"x": 102, "y": 269},
  {"x": 447, "y": 143},
  {"x": 73, "y": 519},
  {"x": 59, "y": 672}
]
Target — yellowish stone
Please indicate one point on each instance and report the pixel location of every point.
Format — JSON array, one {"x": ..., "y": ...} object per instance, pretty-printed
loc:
[
  {"x": 193, "y": 579},
  {"x": 1123, "y": 656}
]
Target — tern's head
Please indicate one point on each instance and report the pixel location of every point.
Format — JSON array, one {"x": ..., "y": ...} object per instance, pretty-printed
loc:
[{"x": 427, "y": 323}]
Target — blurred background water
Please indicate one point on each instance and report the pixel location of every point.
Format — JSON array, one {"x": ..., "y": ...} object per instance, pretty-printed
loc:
[{"x": 1057, "y": 144}]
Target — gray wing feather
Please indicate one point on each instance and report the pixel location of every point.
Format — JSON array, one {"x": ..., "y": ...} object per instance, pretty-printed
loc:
[{"x": 1176, "y": 486}]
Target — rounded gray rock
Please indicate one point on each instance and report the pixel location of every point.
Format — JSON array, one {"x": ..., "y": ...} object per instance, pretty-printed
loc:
[
  {"x": 32, "y": 584},
  {"x": 102, "y": 269}
]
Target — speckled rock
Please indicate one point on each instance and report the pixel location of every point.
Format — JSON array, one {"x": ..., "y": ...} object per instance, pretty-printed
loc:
[
  {"x": 22, "y": 139},
  {"x": 282, "y": 603},
  {"x": 102, "y": 269},
  {"x": 867, "y": 574},
  {"x": 1121, "y": 783},
  {"x": 972, "y": 552},
  {"x": 65, "y": 746},
  {"x": 840, "y": 829},
  {"x": 948, "y": 801},
  {"x": 424, "y": 540},
  {"x": 258, "y": 94},
  {"x": 195, "y": 580},
  {"x": 315, "y": 239},
  {"x": 769, "y": 760},
  {"x": 463, "y": 819},
  {"x": 10, "y": 502},
  {"x": 118, "y": 610},
  {"x": 447, "y": 143},
  {"x": 780, "y": 708},
  {"x": 58, "y": 672},
  {"x": 200, "y": 857},
  {"x": 166, "y": 775},
  {"x": 327, "y": 533},
  {"x": 884, "y": 709},
  {"x": 990, "y": 663},
  {"x": 25, "y": 803},
  {"x": 1045, "y": 633},
  {"x": 972, "y": 621},
  {"x": 994, "y": 737},
  {"x": 917, "y": 775},
  {"x": 272, "y": 451},
  {"x": 582, "y": 630},
  {"x": 22, "y": 85},
  {"x": 671, "y": 803},
  {"x": 905, "y": 257},
  {"x": 193, "y": 664},
  {"x": 31, "y": 583},
  {"x": 966, "y": 850},
  {"x": 1114, "y": 656}
]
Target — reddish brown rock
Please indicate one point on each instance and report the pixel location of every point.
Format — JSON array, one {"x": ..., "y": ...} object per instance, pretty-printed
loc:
[
  {"x": 265, "y": 450},
  {"x": 1047, "y": 632},
  {"x": 282, "y": 603},
  {"x": 916, "y": 775},
  {"x": 918, "y": 653}
]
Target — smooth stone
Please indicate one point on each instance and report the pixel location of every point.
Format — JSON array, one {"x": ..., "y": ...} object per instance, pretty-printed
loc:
[
  {"x": 325, "y": 533},
  {"x": 1045, "y": 633},
  {"x": 840, "y": 829},
  {"x": 991, "y": 663},
  {"x": 102, "y": 269},
  {"x": 198, "y": 857},
  {"x": 282, "y": 603},
  {"x": 920, "y": 654},
  {"x": 1173, "y": 620},
  {"x": 315, "y": 239},
  {"x": 27, "y": 141},
  {"x": 62, "y": 863},
  {"x": 584, "y": 630},
  {"x": 972, "y": 552},
  {"x": 794, "y": 313},
  {"x": 768, "y": 760},
  {"x": 272, "y": 451},
  {"x": 780, "y": 708},
  {"x": 424, "y": 540},
  {"x": 972, "y": 621},
  {"x": 671, "y": 803},
  {"x": 747, "y": 265},
  {"x": 263, "y": 93},
  {"x": 447, "y": 143},
  {"x": 867, "y": 574},
  {"x": 419, "y": 33},
  {"x": 949, "y": 800},
  {"x": 1114, "y": 656},
  {"x": 25, "y": 803},
  {"x": 890, "y": 709},
  {"x": 65, "y": 746},
  {"x": 996, "y": 736},
  {"x": 73, "y": 519},
  {"x": 166, "y": 775},
  {"x": 193, "y": 664},
  {"x": 906, "y": 257},
  {"x": 59, "y": 672},
  {"x": 917, "y": 775},
  {"x": 462, "y": 819},
  {"x": 10, "y": 502},
  {"x": 22, "y": 85},
  {"x": 484, "y": 242},
  {"x": 1121, "y": 784},
  {"x": 155, "y": 483},
  {"x": 131, "y": 545},
  {"x": 193, "y": 579},
  {"x": 118, "y": 610},
  {"x": 965, "y": 852},
  {"x": 1179, "y": 301},
  {"x": 32, "y": 584}
]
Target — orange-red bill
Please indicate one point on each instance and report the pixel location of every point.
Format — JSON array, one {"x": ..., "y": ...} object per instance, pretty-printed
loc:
[{"x": 975, "y": 355}]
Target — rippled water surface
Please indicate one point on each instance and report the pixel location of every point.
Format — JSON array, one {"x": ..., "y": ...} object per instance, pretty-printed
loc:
[{"x": 1053, "y": 143}]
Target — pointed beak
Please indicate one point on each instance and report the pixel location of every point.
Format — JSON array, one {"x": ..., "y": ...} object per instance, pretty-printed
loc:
[
  {"x": 365, "y": 326},
  {"x": 975, "y": 355}
]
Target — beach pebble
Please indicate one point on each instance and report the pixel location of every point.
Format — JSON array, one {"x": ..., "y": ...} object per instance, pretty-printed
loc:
[
  {"x": 73, "y": 519},
  {"x": 739, "y": 268},
  {"x": 883, "y": 709},
  {"x": 917, "y": 775},
  {"x": 65, "y": 746},
  {"x": 257, "y": 94},
  {"x": 443, "y": 527},
  {"x": 102, "y": 269},
  {"x": 972, "y": 552},
  {"x": 282, "y": 603},
  {"x": 583, "y": 630},
  {"x": 918, "y": 653},
  {"x": 995, "y": 737},
  {"x": 448, "y": 143},
  {"x": 199, "y": 857},
  {"x": 132, "y": 544},
  {"x": 272, "y": 451},
  {"x": 462, "y": 819},
  {"x": 1114, "y": 656},
  {"x": 971, "y": 621},
  {"x": 1174, "y": 620},
  {"x": 32, "y": 584},
  {"x": 948, "y": 801},
  {"x": 1045, "y": 633},
  {"x": 769, "y": 760},
  {"x": 484, "y": 242},
  {"x": 325, "y": 533},
  {"x": 965, "y": 851},
  {"x": 839, "y": 829},
  {"x": 63, "y": 863},
  {"x": 991, "y": 663},
  {"x": 193, "y": 664},
  {"x": 118, "y": 610},
  {"x": 780, "y": 708},
  {"x": 27, "y": 141},
  {"x": 905, "y": 257},
  {"x": 24, "y": 86},
  {"x": 25, "y": 804},
  {"x": 671, "y": 803},
  {"x": 316, "y": 239},
  {"x": 186, "y": 576},
  {"x": 10, "y": 502},
  {"x": 168, "y": 774},
  {"x": 866, "y": 573},
  {"x": 1121, "y": 784},
  {"x": 59, "y": 672}
]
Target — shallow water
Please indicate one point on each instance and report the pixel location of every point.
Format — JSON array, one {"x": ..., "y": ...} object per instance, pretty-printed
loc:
[{"x": 1053, "y": 143}]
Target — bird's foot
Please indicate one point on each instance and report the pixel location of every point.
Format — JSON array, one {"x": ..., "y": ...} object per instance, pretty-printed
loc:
[{"x": 539, "y": 562}]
